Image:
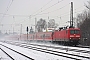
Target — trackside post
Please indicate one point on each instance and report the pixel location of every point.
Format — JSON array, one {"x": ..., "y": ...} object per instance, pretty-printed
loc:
[{"x": 27, "y": 32}]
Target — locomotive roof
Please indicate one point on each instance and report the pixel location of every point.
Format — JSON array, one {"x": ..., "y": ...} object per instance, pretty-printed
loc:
[{"x": 73, "y": 29}]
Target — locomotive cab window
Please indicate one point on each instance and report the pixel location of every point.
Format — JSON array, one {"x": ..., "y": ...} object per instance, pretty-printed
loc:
[{"x": 74, "y": 31}]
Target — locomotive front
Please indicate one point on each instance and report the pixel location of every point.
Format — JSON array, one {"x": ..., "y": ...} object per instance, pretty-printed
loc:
[{"x": 74, "y": 35}]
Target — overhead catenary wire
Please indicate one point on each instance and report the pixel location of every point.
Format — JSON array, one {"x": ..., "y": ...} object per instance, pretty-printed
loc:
[
  {"x": 6, "y": 10},
  {"x": 54, "y": 10},
  {"x": 39, "y": 14},
  {"x": 14, "y": 15},
  {"x": 68, "y": 13},
  {"x": 42, "y": 6},
  {"x": 48, "y": 7},
  {"x": 63, "y": 14},
  {"x": 42, "y": 11}
]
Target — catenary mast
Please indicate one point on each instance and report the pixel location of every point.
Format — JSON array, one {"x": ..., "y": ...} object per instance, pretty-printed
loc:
[{"x": 71, "y": 15}]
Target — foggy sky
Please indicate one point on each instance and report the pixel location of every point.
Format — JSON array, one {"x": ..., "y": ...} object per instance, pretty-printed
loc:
[{"x": 13, "y": 13}]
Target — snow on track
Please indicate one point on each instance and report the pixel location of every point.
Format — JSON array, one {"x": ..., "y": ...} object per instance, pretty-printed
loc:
[{"x": 37, "y": 55}]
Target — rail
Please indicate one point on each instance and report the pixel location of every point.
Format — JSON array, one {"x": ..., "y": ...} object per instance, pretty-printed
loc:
[
  {"x": 16, "y": 52},
  {"x": 55, "y": 50}
]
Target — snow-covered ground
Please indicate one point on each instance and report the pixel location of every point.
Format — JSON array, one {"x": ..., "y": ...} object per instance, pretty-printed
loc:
[
  {"x": 37, "y": 55},
  {"x": 3, "y": 56},
  {"x": 31, "y": 53}
]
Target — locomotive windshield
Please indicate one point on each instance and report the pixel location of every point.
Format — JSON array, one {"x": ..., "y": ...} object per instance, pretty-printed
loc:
[{"x": 74, "y": 31}]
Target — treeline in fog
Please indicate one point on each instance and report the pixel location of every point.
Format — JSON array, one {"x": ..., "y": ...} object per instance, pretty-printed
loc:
[{"x": 83, "y": 22}]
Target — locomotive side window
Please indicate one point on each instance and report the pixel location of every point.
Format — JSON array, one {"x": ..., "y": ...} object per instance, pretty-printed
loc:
[{"x": 74, "y": 31}]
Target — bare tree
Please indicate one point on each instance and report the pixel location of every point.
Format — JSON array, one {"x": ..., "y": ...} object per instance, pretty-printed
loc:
[
  {"x": 83, "y": 21},
  {"x": 81, "y": 17},
  {"x": 41, "y": 24},
  {"x": 87, "y": 5},
  {"x": 52, "y": 24}
]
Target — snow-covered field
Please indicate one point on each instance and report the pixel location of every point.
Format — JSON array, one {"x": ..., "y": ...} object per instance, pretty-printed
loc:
[
  {"x": 32, "y": 53},
  {"x": 37, "y": 55}
]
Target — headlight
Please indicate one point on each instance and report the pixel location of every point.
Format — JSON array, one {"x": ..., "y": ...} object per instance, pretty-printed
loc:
[{"x": 70, "y": 38}]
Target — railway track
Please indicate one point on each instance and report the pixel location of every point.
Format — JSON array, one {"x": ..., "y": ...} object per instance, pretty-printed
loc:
[
  {"x": 52, "y": 50},
  {"x": 9, "y": 51},
  {"x": 7, "y": 54},
  {"x": 81, "y": 46},
  {"x": 71, "y": 53}
]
